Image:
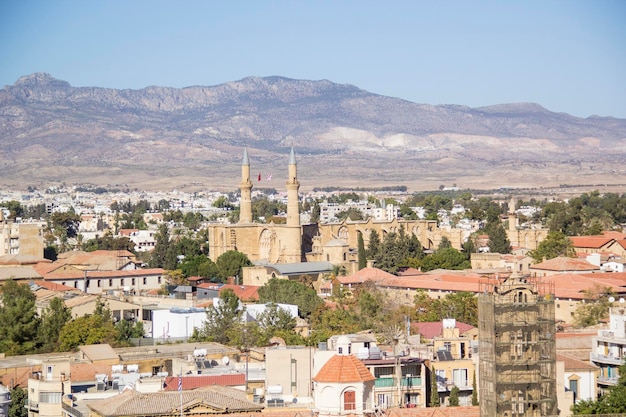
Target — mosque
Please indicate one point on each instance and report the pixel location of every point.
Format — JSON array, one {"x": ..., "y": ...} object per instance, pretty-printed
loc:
[{"x": 293, "y": 249}]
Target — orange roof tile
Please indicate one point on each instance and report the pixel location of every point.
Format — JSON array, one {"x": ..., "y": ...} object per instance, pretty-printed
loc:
[
  {"x": 573, "y": 364},
  {"x": 197, "y": 381},
  {"x": 243, "y": 292},
  {"x": 590, "y": 241},
  {"x": 363, "y": 275},
  {"x": 53, "y": 286},
  {"x": 343, "y": 369},
  {"x": 563, "y": 263}
]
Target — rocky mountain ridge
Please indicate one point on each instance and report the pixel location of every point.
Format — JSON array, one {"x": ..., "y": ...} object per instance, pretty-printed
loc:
[{"x": 171, "y": 137}]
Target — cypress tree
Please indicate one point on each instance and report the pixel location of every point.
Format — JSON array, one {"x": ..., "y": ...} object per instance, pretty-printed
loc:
[{"x": 361, "y": 250}]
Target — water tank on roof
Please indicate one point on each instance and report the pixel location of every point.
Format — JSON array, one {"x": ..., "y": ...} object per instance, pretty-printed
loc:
[
  {"x": 375, "y": 353},
  {"x": 449, "y": 323},
  {"x": 117, "y": 369},
  {"x": 132, "y": 368},
  {"x": 363, "y": 353}
]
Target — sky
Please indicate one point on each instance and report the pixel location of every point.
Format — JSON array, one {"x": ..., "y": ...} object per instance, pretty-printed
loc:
[{"x": 566, "y": 55}]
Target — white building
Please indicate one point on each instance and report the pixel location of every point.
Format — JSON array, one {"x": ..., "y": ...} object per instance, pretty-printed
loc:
[{"x": 608, "y": 349}]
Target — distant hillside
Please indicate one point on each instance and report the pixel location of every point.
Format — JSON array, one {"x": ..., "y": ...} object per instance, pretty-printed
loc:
[{"x": 193, "y": 137}]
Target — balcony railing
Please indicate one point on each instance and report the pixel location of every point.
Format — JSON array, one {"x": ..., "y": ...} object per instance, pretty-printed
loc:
[
  {"x": 607, "y": 380},
  {"x": 33, "y": 405},
  {"x": 405, "y": 382},
  {"x": 596, "y": 357},
  {"x": 71, "y": 410}
]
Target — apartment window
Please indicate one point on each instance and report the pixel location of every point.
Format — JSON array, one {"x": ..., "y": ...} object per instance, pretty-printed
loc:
[
  {"x": 110, "y": 282},
  {"x": 573, "y": 386},
  {"x": 132, "y": 281},
  {"x": 99, "y": 283},
  {"x": 159, "y": 280},
  {"x": 459, "y": 377},
  {"x": 145, "y": 280},
  {"x": 447, "y": 346},
  {"x": 122, "y": 282},
  {"x": 50, "y": 397}
]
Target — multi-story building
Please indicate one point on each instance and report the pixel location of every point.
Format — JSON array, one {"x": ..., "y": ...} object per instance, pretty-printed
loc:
[
  {"x": 453, "y": 365},
  {"x": 21, "y": 238},
  {"x": 517, "y": 348},
  {"x": 47, "y": 387},
  {"x": 609, "y": 347}
]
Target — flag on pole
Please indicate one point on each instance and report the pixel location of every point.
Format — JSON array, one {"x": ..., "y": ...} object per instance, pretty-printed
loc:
[{"x": 259, "y": 176}]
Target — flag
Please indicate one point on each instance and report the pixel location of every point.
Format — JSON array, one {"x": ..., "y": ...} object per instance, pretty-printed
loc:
[
  {"x": 180, "y": 383},
  {"x": 269, "y": 176},
  {"x": 259, "y": 176}
]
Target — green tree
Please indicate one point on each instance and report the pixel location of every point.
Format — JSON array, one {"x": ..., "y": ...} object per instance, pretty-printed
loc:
[
  {"x": 127, "y": 330},
  {"x": 53, "y": 319},
  {"x": 373, "y": 248},
  {"x": 554, "y": 245},
  {"x": 361, "y": 252},
  {"x": 230, "y": 263},
  {"x": 434, "y": 393},
  {"x": 163, "y": 255},
  {"x": 276, "y": 321},
  {"x": 613, "y": 402},
  {"x": 595, "y": 307},
  {"x": 444, "y": 244},
  {"x": 351, "y": 213},
  {"x": 199, "y": 265},
  {"x": 474, "y": 390},
  {"x": 18, "y": 319},
  {"x": 291, "y": 292},
  {"x": 498, "y": 239},
  {"x": 90, "y": 329},
  {"x": 454, "y": 396},
  {"x": 223, "y": 320},
  {"x": 15, "y": 208},
  {"x": 65, "y": 223},
  {"x": 449, "y": 258},
  {"x": 19, "y": 397}
]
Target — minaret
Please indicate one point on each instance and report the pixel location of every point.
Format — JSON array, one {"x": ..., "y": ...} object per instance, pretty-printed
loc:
[
  {"x": 293, "y": 185},
  {"x": 245, "y": 205},
  {"x": 512, "y": 216},
  {"x": 292, "y": 245}
]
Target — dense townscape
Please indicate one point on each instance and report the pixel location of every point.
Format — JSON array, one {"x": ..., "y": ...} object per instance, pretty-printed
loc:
[{"x": 335, "y": 301}]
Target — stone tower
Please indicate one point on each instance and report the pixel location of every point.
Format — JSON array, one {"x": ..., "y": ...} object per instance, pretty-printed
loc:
[
  {"x": 517, "y": 348},
  {"x": 245, "y": 205}
]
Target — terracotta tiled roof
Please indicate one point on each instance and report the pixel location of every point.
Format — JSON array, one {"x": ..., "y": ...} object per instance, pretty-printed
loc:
[
  {"x": 219, "y": 400},
  {"x": 363, "y": 275},
  {"x": 574, "y": 285},
  {"x": 243, "y": 292},
  {"x": 573, "y": 364},
  {"x": 594, "y": 242},
  {"x": 197, "y": 381},
  {"x": 53, "y": 286},
  {"x": 343, "y": 369},
  {"x": 563, "y": 263},
  {"x": 444, "y": 282},
  {"x": 432, "y": 329}
]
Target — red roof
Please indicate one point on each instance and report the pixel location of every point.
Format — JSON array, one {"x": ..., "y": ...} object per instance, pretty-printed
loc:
[
  {"x": 243, "y": 292},
  {"x": 363, "y": 275},
  {"x": 430, "y": 329},
  {"x": 53, "y": 286},
  {"x": 197, "y": 381},
  {"x": 443, "y": 282},
  {"x": 563, "y": 263},
  {"x": 573, "y": 286},
  {"x": 343, "y": 369}
]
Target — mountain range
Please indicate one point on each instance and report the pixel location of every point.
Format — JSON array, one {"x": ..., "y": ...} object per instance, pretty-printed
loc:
[{"x": 193, "y": 138}]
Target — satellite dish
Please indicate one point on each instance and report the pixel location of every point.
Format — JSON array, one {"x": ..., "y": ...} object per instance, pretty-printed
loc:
[
  {"x": 611, "y": 299},
  {"x": 225, "y": 360},
  {"x": 621, "y": 300}
]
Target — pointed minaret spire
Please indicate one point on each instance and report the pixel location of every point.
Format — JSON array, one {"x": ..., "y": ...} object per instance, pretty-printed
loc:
[
  {"x": 245, "y": 204},
  {"x": 293, "y": 185}
]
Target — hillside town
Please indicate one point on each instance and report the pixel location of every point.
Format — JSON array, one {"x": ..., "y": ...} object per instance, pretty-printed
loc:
[{"x": 328, "y": 303}]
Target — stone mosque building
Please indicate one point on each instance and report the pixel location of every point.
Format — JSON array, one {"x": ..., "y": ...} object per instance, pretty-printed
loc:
[{"x": 292, "y": 249}]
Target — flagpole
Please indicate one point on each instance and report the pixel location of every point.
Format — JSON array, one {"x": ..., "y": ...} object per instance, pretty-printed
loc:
[{"x": 180, "y": 390}]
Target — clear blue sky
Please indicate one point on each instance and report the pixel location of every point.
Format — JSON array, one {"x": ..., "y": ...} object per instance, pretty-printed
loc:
[{"x": 569, "y": 56}]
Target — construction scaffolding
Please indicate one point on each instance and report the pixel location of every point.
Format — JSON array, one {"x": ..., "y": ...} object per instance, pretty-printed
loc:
[{"x": 517, "y": 351}]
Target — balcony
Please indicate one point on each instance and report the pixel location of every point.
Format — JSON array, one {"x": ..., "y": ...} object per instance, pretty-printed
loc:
[
  {"x": 405, "y": 382},
  {"x": 71, "y": 410},
  {"x": 608, "y": 359},
  {"x": 607, "y": 380},
  {"x": 32, "y": 406}
]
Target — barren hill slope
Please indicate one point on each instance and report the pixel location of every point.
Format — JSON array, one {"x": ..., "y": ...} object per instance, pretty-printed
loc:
[{"x": 193, "y": 137}]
